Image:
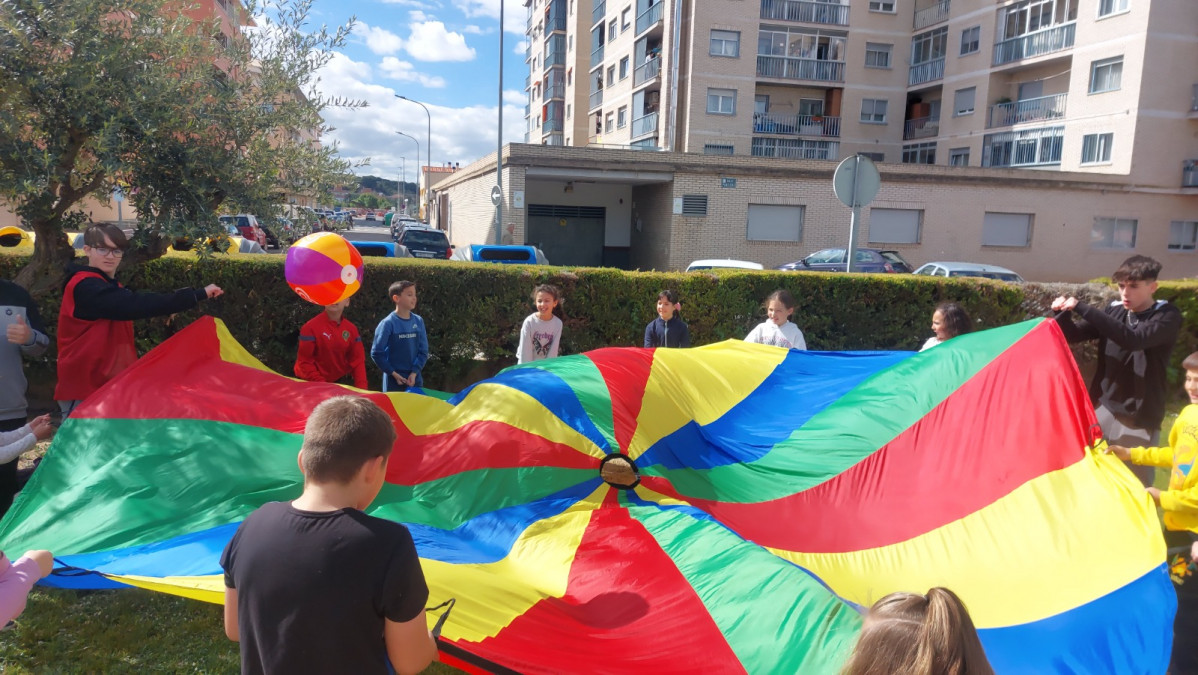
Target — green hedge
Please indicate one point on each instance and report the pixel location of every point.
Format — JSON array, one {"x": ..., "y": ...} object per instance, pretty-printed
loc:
[{"x": 474, "y": 311}]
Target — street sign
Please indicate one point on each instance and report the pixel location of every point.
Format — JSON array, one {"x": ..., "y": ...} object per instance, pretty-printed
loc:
[
  {"x": 496, "y": 195},
  {"x": 855, "y": 183}
]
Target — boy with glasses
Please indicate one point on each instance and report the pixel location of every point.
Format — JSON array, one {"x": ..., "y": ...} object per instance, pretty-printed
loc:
[{"x": 95, "y": 322}]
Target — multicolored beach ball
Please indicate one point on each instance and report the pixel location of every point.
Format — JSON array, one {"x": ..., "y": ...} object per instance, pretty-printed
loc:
[{"x": 323, "y": 268}]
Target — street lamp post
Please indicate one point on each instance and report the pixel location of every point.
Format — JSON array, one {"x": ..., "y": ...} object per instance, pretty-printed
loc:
[
  {"x": 403, "y": 183},
  {"x": 428, "y": 187},
  {"x": 499, "y": 141},
  {"x": 417, "y": 154}
]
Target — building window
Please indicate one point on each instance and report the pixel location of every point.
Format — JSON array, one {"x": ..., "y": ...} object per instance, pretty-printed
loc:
[
  {"x": 963, "y": 102},
  {"x": 882, "y": 6},
  {"x": 622, "y": 117},
  {"x": 1183, "y": 235},
  {"x": 567, "y": 111},
  {"x": 625, "y": 19},
  {"x": 1109, "y": 7},
  {"x": 919, "y": 153},
  {"x": 611, "y": 75},
  {"x": 958, "y": 157},
  {"x": 873, "y": 110},
  {"x": 877, "y": 55},
  {"x": 624, "y": 67},
  {"x": 1113, "y": 233},
  {"x": 1007, "y": 229},
  {"x": 721, "y": 101},
  {"x": 929, "y": 46},
  {"x": 714, "y": 149},
  {"x": 609, "y": 122},
  {"x": 725, "y": 43},
  {"x": 875, "y": 156},
  {"x": 1096, "y": 148},
  {"x": 971, "y": 40},
  {"x": 1106, "y": 75},
  {"x": 768, "y": 222},
  {"x": 613, "y": 30},
  {"x": 895, "y": 226}
]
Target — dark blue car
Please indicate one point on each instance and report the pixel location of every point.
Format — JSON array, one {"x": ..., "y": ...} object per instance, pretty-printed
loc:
[{"x": 833, "y": 260}]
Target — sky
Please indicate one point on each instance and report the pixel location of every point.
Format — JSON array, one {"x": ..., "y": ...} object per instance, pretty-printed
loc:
[{"x": 442, "y": 53}]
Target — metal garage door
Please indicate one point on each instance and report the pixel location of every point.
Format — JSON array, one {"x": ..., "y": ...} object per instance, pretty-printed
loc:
[{"x": 569, "y": 235}]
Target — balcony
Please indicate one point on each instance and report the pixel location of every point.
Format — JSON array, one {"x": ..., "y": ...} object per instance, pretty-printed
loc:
[
  {"x": 597, "y": 56},
  {"x": 555, "y": 58},
  {"x": 807, "y": 12},
  {"x": 596, "y": 100},
  {"x": 796, "y": 125},
  {"x": 930, "y": 16},
  {"x": 1029, "y": 147},
  {"x": 650, "y": 17},
  {"x": 1189, "y": 173},
  {"x": 646, "y": 72},
  {"x": 929, "y": 71},
  {"x": 921, "y": 127},
  {"x": 598, "y": 12},
  {"x": 790, "y": 148},
  {"x": 792, "y": 68},
  {"x": 643, "y": 126},
  {"x": 551, "y": 125},
  {"x": 1041, "y": 42},
  {"x": 527, "y": 82},
  {"x": 527, "y": 109},
  {"x": 557, "y": 23},
  {"x": 1194, "y": 102},
  {"x": 555, "y": 91},
  {"x": 1028, "y": 110},
  {"x": 553, "y": 139}
]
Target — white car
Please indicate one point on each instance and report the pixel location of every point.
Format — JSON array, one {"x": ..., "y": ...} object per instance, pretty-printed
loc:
[
  {"x": 964, "y": 269},
  {"x": 723, "y": 264}
]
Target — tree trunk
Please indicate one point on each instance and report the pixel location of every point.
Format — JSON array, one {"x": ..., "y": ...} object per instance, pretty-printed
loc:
[{"x": 46, "y": 271}]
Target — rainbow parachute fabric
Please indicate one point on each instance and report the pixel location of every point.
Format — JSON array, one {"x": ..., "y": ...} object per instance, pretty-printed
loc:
[{"x": 729, "y": 508}]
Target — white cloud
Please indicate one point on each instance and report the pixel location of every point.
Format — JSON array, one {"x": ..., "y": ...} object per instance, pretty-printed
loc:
[
  {"x": 404, "y": 71},
  {"x": 472, "y": 30},
  {"x": 521, "y": 48},
  {"x": 514, "y": 97},
  {"x": 514, "y": 16},
  {"x": 411, "y": 3},
  {"x": 417, "y": 16},
  {"x": 430, "y": 41},
  {"x": 458, "y": 134},
  {"x": 378, "y": 40}
]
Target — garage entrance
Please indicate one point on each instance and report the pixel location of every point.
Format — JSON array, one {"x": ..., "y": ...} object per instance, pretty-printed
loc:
[{"x": 569, "y": 235}]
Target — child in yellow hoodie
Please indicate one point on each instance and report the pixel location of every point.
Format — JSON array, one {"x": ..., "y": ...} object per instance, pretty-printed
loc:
[{"x": 1180, "y": 504}]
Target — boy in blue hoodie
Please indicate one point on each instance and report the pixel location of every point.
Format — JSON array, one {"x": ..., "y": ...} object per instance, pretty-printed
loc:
[{"x": 400, "y": 347}]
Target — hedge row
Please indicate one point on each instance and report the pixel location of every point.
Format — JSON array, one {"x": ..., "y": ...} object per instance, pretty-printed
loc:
[{"x": 473, "y": 312}]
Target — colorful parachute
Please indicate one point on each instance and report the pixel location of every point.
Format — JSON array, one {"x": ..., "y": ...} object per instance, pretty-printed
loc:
[{"x": 728, "y": 508}]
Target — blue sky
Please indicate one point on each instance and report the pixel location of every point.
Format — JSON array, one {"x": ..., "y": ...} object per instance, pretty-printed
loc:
[{"x": 443, "y": 53}]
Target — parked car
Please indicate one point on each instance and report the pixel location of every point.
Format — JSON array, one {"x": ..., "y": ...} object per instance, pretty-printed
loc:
[
  {"x": 834, "y": 260},
  {"x": 248, "y": 226},
  {"x": 374, "y": 241},
  {"x": 421, "y": 242},
  {"x": 402, "y": 222},
  {"x": 508, "y": 254},
  {"x": 964, "y": 269},
  {"x": 723, "y": 264}
]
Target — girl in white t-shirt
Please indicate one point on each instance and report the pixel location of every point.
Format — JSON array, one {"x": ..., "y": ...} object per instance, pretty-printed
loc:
[
  {"x": 948, "y": 321},
  {"x": 777, "y": 330},
  {"x": 541, "y": 333}
]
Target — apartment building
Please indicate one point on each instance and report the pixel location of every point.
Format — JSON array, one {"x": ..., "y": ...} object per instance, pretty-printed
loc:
[{"x": 1089, "y": 86}]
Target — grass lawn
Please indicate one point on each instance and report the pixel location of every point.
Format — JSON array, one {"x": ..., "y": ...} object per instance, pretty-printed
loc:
[{"x": 140, "y": 631}]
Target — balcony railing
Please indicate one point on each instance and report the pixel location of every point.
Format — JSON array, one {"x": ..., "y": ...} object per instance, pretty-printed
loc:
[
  {"x": 555, "y": 23},
  {"x": 554, "y": 138},
  {"x": 921, "y": 127},
  {"x": 792, "y": 68},
  {"x": 643, "y": 126},
  {"x": 929, "y": 16},
  {"x": 649, "y": 17},
  {"x": 556, "y": 57},
  {"x": 809, "y": 12},
  {"x": 551, "y": 125},
  {"x": 1044, "y": 41},
  {"x": 598, "y": 12},
  {"x": 645, "y": 72},
  {"x": 596, "y": 99},
  {"x": 597, "y": 56},
  {"x": 527, "y": 109},
  {"x": 789, "y": 148},
  {"x": 1189, "y": 173},
  {"x": 1029, "y": 147},
  {"x": 1028, "y": 110},
  {"x": 926, "y": 72},
  {"x": 796, "y": 125},
  {"x": 555, "y": 91},
  {"x": 527, "y": 81}
]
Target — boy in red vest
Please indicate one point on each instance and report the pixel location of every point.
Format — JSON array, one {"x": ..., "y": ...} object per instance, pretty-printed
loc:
[
  {"x": 95, "y": 322},
  {"x": 330, "y": 348}
]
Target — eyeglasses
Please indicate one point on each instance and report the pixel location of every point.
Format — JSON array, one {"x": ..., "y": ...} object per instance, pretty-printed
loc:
[{"x": 105, "y": 251}]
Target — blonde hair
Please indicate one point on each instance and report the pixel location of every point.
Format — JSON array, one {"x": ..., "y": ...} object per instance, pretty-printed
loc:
[{"x": 913, "y": 634}]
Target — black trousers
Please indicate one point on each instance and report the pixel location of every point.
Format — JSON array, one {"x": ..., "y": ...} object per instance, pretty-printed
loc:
[
  {"x": 1185, "y": 630},
  {"x": 8, "y": 472}
]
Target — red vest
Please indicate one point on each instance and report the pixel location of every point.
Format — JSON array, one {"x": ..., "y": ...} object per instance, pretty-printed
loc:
[{"x": 90, "y": 353}]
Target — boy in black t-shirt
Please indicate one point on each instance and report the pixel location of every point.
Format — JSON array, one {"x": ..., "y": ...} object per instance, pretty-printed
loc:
[
  {"x": 1135, "y": 337},
  {"x": 318, "y": 586}
]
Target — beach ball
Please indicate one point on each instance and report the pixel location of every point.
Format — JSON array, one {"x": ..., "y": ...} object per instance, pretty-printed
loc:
[{"x": 323, "y": 268}]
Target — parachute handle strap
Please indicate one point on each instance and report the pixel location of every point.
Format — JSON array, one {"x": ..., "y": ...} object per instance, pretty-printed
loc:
[{"x": 448, "y": 605}]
